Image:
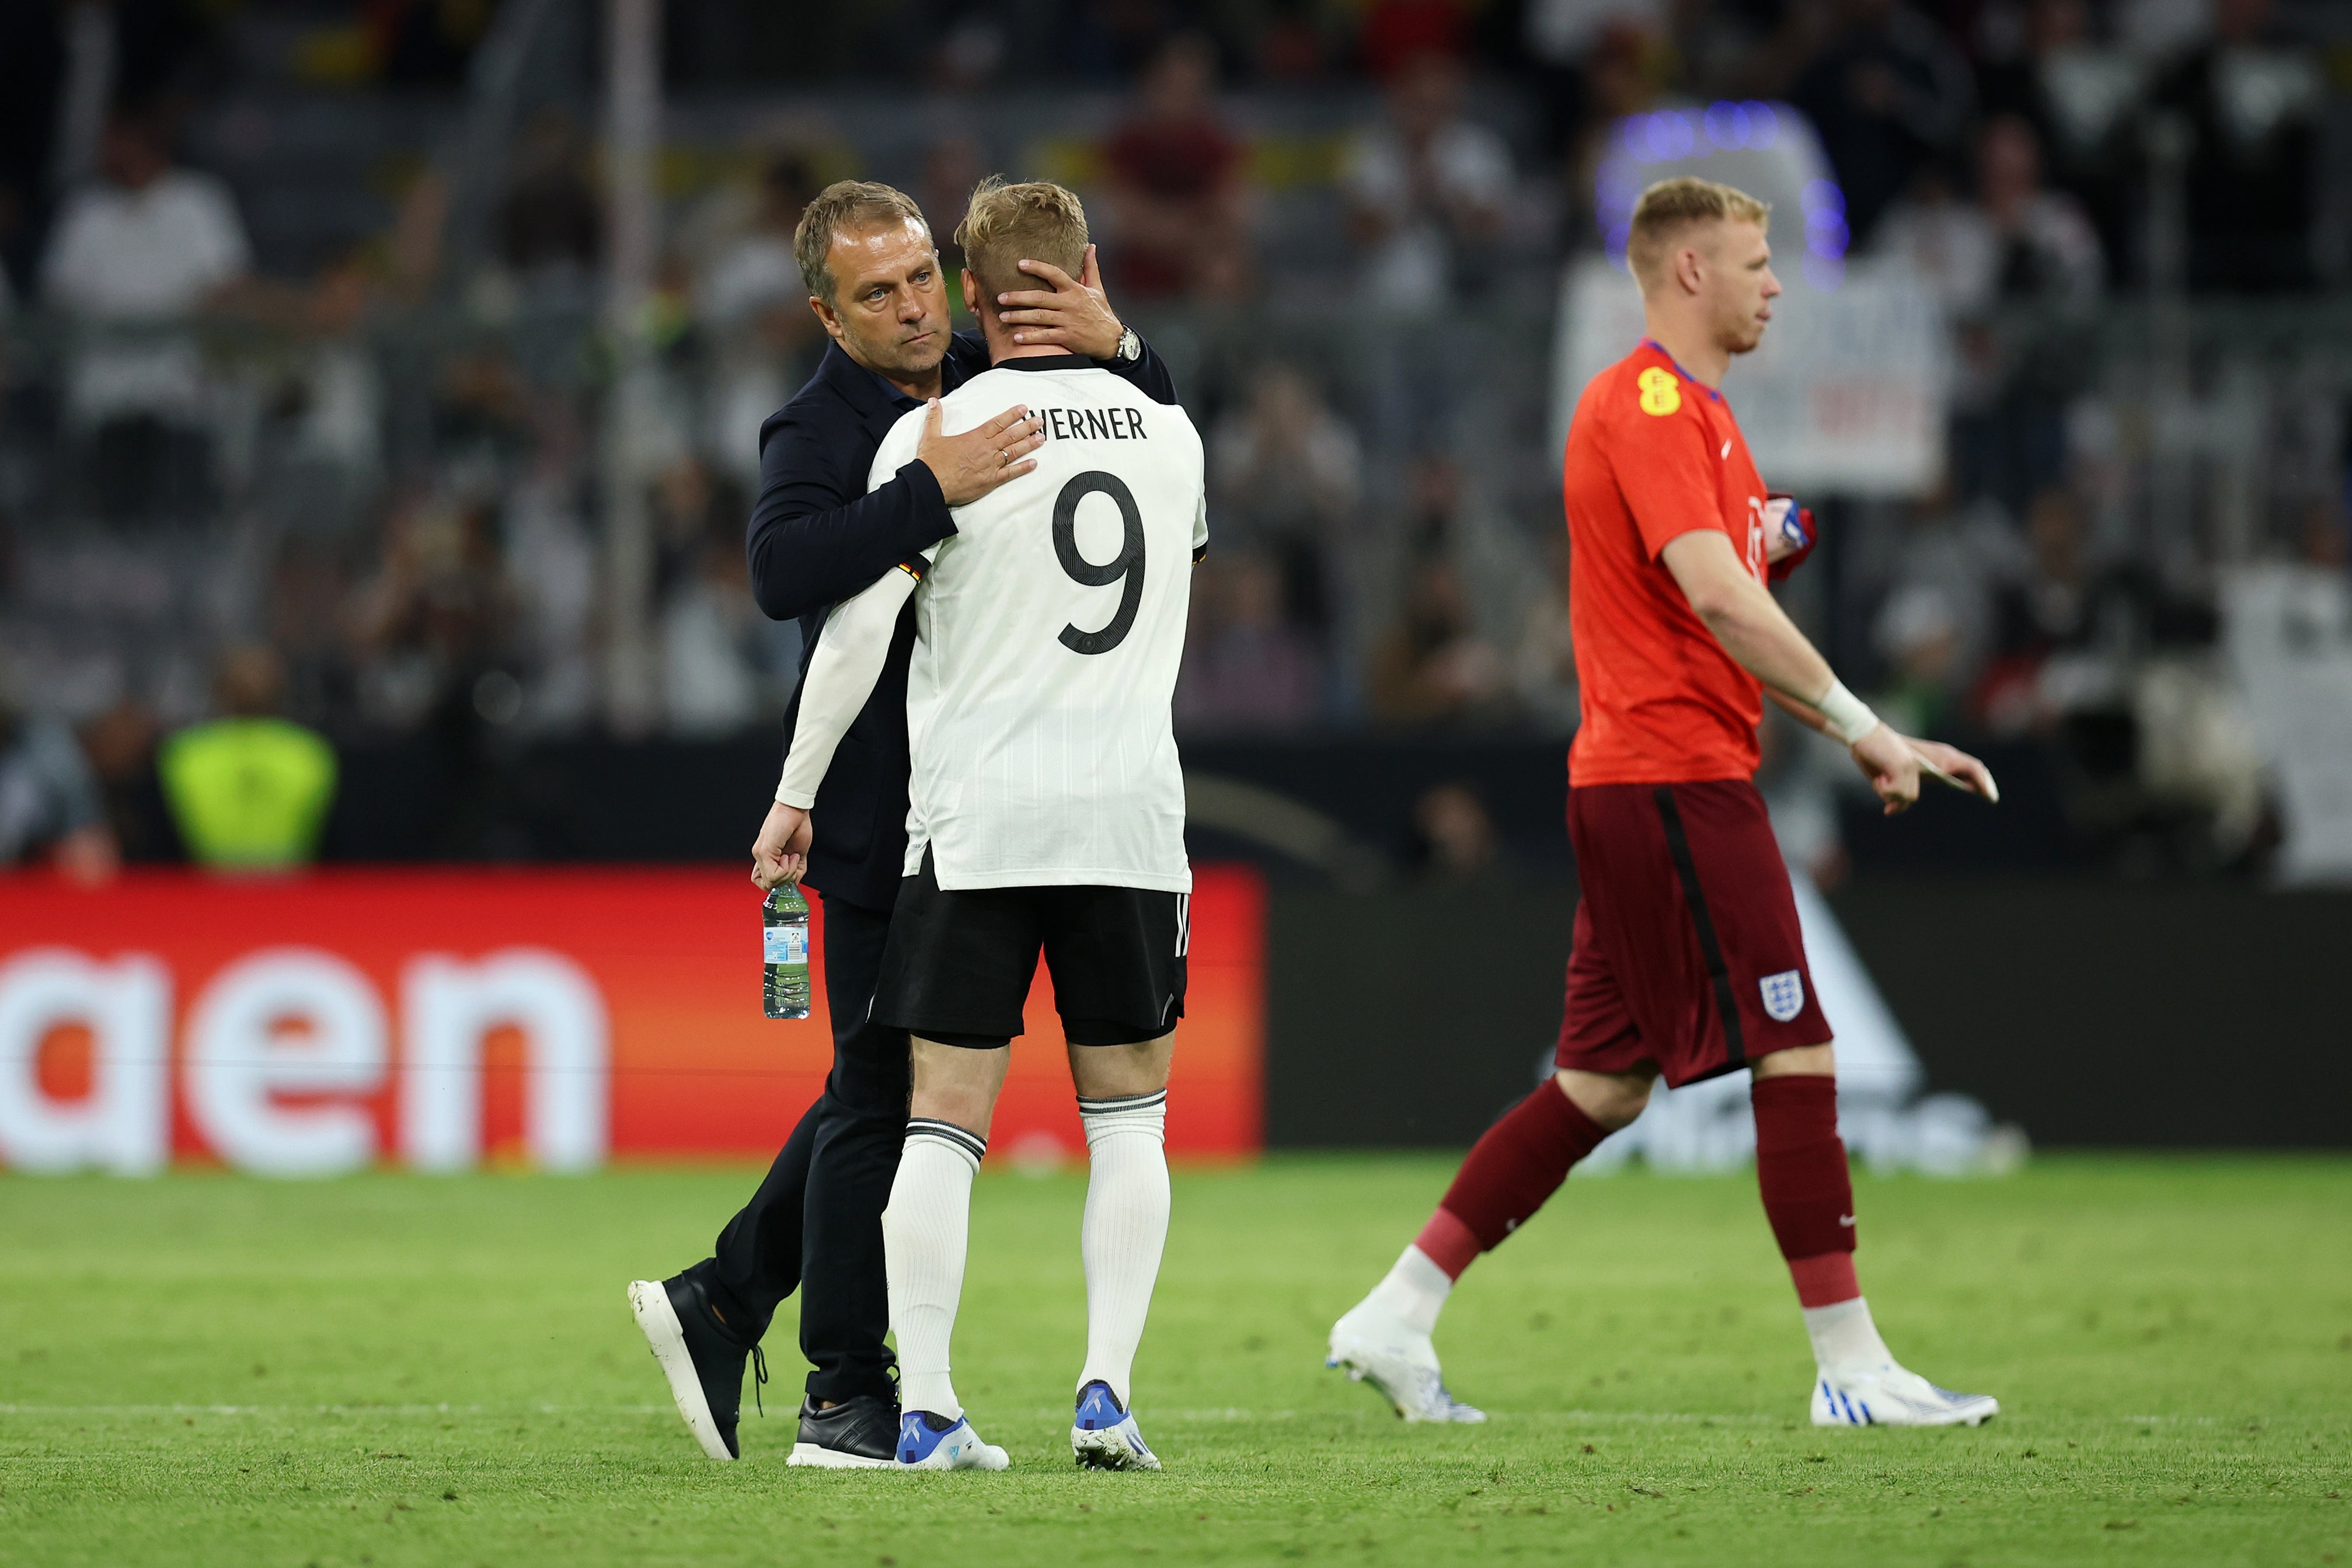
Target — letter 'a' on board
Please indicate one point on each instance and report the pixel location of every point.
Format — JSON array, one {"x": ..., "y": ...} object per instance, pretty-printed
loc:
[{"x": 1660, "y": 393}]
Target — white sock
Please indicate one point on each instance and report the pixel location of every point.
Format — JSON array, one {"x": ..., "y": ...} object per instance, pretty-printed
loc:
[
  {"x": 1125, "y": 1230},
  {"x": 1843, "y": 1335},
  {"x": 926, "y": 1233},
  {"x": 1414, "y": 1290}
]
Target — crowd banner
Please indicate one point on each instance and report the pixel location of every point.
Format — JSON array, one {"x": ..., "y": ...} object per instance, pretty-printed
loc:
[
  {"x": 1847, "y": 396},
  {"x": 445, "y": 1019},
  {"x": 2286, "y": 633}
]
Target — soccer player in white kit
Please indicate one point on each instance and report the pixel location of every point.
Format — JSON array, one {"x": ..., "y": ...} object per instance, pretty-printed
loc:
[{"x": 1046, "y": 812}]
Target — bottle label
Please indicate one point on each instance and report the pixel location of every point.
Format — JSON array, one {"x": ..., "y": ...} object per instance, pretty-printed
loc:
[{"x": 784, "y": 944}]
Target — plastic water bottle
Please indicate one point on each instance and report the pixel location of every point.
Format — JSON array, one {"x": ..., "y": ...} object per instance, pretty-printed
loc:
[{"x": 784, "y": 952}]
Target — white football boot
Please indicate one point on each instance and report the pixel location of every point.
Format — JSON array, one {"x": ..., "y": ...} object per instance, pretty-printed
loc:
[
  {"x": 1374, "y": 1346},
  {"x": 1103, "y": 1435},
  {"x": 1886, "y": 1395},
  {"x": 928, "y": 1442}
]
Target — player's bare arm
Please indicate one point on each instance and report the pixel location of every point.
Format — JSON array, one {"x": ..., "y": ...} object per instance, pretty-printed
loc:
[
  {"x": 848, "y": 660},
  {"x": 1757, "y": 634}
]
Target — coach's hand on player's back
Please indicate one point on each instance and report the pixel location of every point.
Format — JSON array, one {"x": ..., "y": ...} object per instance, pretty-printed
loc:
[
  {"x": 971, "y": 465},
  {"x": 780, "y": 852}
]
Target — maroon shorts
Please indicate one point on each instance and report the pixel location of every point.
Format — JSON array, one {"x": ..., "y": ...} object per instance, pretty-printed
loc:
[{"x": 1688, "y": 952}]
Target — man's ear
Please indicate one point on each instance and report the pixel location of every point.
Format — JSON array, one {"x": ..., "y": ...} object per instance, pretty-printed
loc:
[
  {"x": 827, "y": 317},
  {"x": 971, "y": 293},
  {"x": 1688, "y": 266}
]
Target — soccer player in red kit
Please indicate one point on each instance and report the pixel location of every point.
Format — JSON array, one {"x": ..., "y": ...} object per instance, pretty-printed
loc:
[{"x": 1688, "y": 961}]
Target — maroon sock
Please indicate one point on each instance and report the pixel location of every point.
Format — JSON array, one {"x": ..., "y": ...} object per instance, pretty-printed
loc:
[
  {"x": 1520, "y": 1161},
  {"x": 1808, "y": 1191}
]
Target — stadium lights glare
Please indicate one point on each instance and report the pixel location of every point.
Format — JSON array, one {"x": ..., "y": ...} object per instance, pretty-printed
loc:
[
  {"x": 1640, "y": 141},
  {"x": 1825, "y": 234}
]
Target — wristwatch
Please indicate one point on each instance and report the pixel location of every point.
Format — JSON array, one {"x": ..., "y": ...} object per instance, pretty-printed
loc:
[{"x": 1130, "y": 347}]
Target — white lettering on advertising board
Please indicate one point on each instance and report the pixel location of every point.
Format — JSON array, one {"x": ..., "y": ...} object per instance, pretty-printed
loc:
[
  {"x": 123, "y": 1123},
  {"x": 284, "y": 1045}
]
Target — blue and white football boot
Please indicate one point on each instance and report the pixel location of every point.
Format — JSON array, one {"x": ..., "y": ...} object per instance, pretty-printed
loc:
[
  {"x": 1104, "y": 1436},
  {"x": 928, "y": 1442},
  {"x": 1886, "y": 1395},
  {"x": 1376, "y": 1347}
]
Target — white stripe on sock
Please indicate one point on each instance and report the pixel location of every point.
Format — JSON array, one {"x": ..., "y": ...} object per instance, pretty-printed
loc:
[
  {"x": 1125, "y": 1229},
  {"x": 1415, "y": 1289},
  {"x": 1843, "y": 1335},
  {"x": 926, "y": 1235}
]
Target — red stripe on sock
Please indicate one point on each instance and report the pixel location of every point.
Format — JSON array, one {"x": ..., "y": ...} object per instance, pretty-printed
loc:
[
  {"x": 1448, "y": 1243},
  {"x": 1806, "y": 1184},
  {"x": 1824, "y": 1281}
]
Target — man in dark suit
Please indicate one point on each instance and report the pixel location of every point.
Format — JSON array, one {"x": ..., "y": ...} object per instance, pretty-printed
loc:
[{"x": 817, "y": 537}]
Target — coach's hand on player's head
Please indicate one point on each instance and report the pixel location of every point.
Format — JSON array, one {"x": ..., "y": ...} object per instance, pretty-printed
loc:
[
  {"x": 971, "y": 465},
  {"x": 1068, "y": 312},
  {"x": 780, "y": 852},
  {"x": 1890, "y": 764}
]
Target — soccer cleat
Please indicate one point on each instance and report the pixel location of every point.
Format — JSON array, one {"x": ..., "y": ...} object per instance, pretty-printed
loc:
[
  {"x": 928, "y": 1442},
  {"x": 1398, "y": 1360},
  {"x": 860, "y": 1434},
  {"x": 1889, "y": 1396},
  {"x": 703, "y": 1362},
  {"x": 1103, "y": 1437}
]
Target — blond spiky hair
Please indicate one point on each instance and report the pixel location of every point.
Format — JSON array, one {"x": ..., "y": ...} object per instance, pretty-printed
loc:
[
  {"x": 1005, "y": 225},
  {"x": 1671, "y": 206}
]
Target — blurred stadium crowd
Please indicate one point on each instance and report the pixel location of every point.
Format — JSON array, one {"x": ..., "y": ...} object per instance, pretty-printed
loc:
[{"x": 308, "y": 404}]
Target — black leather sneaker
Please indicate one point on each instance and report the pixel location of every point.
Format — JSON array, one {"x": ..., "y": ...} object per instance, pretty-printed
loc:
[
  {"x": 702, "y": 1361},
  {"x": 860, "y": 1434}
]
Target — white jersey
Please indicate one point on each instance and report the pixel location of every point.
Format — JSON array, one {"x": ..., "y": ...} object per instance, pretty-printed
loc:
[{"x": 1048, "y": 631}]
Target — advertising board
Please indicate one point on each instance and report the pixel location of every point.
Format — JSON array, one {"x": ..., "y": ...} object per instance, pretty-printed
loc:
[{"x": 444, "y": 1019}]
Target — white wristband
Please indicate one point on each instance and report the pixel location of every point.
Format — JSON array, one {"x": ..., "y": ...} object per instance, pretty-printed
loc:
[{"x": 1850, "y": 718}]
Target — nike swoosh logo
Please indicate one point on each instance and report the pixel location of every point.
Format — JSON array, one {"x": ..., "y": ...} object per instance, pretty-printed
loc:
[{"x": 1845, "y": 1219}]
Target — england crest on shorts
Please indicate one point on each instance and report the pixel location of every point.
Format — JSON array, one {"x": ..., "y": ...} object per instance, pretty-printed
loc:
[{"x": 1784, "y": 994}]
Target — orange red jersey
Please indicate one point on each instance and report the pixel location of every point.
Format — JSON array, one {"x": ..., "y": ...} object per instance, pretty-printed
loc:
[{"x": 1651, "y": 454}]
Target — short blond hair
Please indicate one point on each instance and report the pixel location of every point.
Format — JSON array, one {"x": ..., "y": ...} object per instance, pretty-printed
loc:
[
  {"x": 1005, "y": 225},
  {"x": 845, "y": 203},
  {"x": 1669, "y": 207}
]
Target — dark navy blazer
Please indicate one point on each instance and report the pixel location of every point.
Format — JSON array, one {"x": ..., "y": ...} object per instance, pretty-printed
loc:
[{"x": 816, "y": 537}]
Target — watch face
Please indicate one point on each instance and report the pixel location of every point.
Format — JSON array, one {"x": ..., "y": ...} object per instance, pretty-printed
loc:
[{"x": 1130, "y": 345}]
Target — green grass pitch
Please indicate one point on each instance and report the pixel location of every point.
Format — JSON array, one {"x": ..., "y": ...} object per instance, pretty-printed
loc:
[{"x": 398, "y": 1370}]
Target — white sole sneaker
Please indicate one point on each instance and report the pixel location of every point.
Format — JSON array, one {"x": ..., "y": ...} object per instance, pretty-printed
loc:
[
  {"x": 1120, "y": 1448},
  {"x": 1892, "y": 1395},
  {"x": 1103, "y": 1433},
  {"x": 958, "y": 1447},
  {"x": 817, "y": 1457},
  {"x": 658, "y": 1320},
  {"x": 1373, "y": 1348}
]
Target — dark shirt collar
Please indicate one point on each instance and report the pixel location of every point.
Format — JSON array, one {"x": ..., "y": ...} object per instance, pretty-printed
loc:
[
  {"x": 1047, "y": 361},
  {"x": 891, "y": 395},
  {"x": 951, "y": 375}
]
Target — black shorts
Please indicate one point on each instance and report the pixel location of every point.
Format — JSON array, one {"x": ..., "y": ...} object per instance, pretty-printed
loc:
[{"x": 958, "y": 966}]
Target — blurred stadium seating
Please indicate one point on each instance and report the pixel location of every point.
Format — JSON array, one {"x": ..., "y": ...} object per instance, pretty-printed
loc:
[{"x": 321, "y": 399}]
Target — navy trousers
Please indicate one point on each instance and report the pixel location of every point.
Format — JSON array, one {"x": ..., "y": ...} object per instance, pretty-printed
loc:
[{"x": 815, "y": 1222}]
